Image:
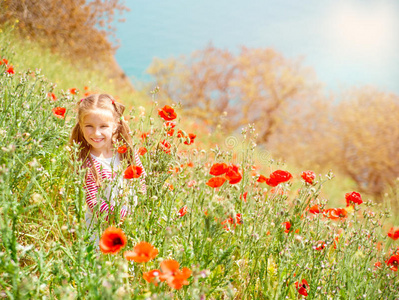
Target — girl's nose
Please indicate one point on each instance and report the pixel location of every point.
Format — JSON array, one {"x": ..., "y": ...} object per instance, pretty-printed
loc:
[{"x": 97, "y": 132}]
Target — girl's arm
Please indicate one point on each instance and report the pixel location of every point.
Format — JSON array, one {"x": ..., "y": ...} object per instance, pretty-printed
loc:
[
  {"x": 91, "y": 198},
  {"x": 142, "y": 180}
]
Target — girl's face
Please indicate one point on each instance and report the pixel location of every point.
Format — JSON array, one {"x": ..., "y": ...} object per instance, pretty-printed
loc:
[{"x": 98, "y": 126}]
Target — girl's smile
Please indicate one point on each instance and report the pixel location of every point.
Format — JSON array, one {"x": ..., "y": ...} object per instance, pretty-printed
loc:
[{"x": 98, "y": 126}]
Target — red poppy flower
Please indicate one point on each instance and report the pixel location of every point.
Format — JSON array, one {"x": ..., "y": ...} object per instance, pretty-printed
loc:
[
  {"x": 393, "y": 233},
  {"x": 180, "y": 134},
  {"x": 4, "y": 61},
  {"x": 393, "y": 262},
  {"x": 142, "y": 252},
  {"x": 144, "y": 135},
  {"x": 133, "y": 172},
  {"x": 52, "y": 96},
  {"x": 169, "y": 124},
  {"x": 73, "y": 91},
  {"x": 182, "y": 211},
  {"x": 192, "y": 136},
  {"x": 216, "y": 182},
  {"x": 378, "y": 265},
  {"x": 315, "y": 209},
  {"x": 232, "y": 174},
  {"x": 142, "y": 151},
  {"x": 230, "y": 220},
  {"x": 10, "y": 70},
  {"x": 262, "y": 179},
  {"x": 122, "y": 149},
  {"x": 151, "y": 276},
  {"x": 112, "y": 240},
  {"x": 165, "y": 146},
  {"x": 320, "y": 245},
  {"x": 353, "y": 198},
  {"x": 308, "y": 176},
  {"x": 287, "y": 226},
  {"x": 167, "y": 113},
  {"x": 335, "y": 213},
  {"x": 218, "y": 169},
  {"x": 172, "y": 275},
  {"x": 278, "y": 177},
  {"x": 170, "y": 132},
  {"x": 59, "y": 112},
  {"x": 302, "y": 287},
  {"x": 244, "y": 196}
]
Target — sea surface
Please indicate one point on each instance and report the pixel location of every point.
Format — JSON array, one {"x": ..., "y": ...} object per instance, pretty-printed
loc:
[{"x": 347, "y": 43}]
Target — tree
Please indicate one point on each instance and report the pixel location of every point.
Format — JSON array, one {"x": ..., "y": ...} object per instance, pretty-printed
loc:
[{"x": 252, "y": 87}]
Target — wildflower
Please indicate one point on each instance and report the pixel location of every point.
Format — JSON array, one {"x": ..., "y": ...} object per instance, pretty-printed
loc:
[
  {"x": 378, "y": 265},
  {"x": 165, "y": 146},
  {"x": 353, "y": 198},
  {"x": 335, "y": 213},
  {"x": 232, "y": 174},
  {"x": 144, "y": 135},
  {"x": 142, "y": 252},
  {"x": 218, "y": 169},
  {"x": 112, "y": 240},
  {"x": 180, "y": 134},
  {"x": 191, "y": 136},
  {"x": 73, "y": 91},
  {"x": 301, "y": 287},
  {"x": 142, "y": 151},
  {"x": 151, "y": 276},
  {"x": 10, "y": 70},
  {"x": 167, "y": 113},
  {"x": 182, "y": 211},
  {"x": 262, "y": 179},
  {"x": 308, "y": 176},
  {"x": 234, "y": 222},
  {"x": 59, "y": 112},
  {"x": 320, "y": 245},
  {"x": 4, "y": 61},
  {"x": 315, "y": 209},
  {"x": 171, "y": 273},
  {"x": 216, "y": 182},
  {"x": 170, "y": 132},
  {"x": 133, "y": 172},
  {"x": 52, "y": 96},
  {"x": 244, "y": 196},
  {"x": 191, "y": 183},
  {"x": 169, "y": 124},
  {"x": 393, "y": 233},
  {"x": 122, "y": 149},
  {"x": 287, "y": 226},
  {"x": 393, "y": 262},
  {"x": 278, "y": 177}
]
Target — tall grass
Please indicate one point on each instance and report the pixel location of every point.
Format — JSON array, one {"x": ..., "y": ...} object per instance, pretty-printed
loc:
[{"x": 47, "y": 251}]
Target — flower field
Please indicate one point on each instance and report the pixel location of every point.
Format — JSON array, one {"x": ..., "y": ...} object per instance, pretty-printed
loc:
[{"x": 213, "y": 224}]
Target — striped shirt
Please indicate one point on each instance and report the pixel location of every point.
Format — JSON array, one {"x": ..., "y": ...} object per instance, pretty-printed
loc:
[{"x": 107, "y": 169}]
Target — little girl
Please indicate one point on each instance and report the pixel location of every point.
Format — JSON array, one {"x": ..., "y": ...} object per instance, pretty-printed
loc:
[{"x": 99, "y": 128}]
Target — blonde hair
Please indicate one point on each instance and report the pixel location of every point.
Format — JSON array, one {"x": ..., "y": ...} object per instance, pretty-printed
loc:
[{"x": 121, "y": 134}]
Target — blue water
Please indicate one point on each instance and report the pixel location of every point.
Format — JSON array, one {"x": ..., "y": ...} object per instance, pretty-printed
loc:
[{"x": 296, "y": 29}]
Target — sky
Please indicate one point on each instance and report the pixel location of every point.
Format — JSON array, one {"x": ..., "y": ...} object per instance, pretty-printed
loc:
[{"x": 348, "y": 43}]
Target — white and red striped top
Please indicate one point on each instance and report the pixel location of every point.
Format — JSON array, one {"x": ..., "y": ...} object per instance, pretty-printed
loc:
[{"x": 107, "y": 169}]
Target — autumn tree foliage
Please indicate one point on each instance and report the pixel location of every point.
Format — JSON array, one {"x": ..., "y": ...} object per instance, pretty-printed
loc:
[
  {"x": 253, "y": 86},
  {"x": 357, "y": 136},
  {"x": 367, "y": 137},
  {"x": 78, "y": 28}
]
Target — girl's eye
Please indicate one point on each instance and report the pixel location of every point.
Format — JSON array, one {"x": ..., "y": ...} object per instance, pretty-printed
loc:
[
  {"x": 89, "y": 126},
  {"x": 104, "y": 126}
]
